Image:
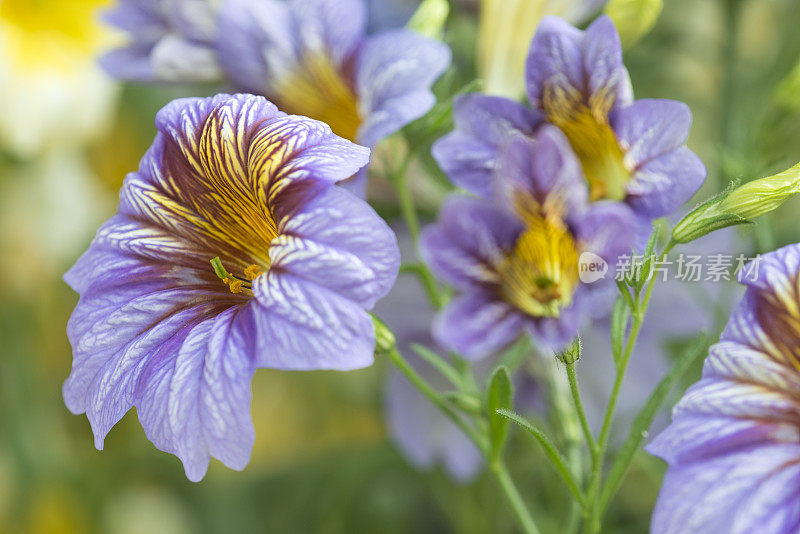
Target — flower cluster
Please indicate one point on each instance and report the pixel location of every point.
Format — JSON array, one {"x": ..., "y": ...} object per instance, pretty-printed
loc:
[
  {"x": 584, "y": 171},
  {"x": 515, "y": 258},
  {"x": 733, "y": 447},
  {"x": 630, "y": 151},
  {"x": 231, "y": 250},
  {"x": 310, "y": 57}
]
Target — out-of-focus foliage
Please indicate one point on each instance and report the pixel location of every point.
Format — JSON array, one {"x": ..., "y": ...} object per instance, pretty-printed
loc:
[{"x": 322, "y": 462}]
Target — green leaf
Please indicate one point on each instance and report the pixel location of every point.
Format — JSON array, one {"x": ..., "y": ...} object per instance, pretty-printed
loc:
[
  {"x": 465, "y": 401},
  {"x": 499, "y": 397},
  {"x": 645, "y": 417},
  {"x": 619, "y": 323},
  {"x": 552, "y": 453}
]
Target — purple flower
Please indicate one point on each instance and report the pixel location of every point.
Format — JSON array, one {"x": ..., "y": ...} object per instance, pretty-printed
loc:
[
  {"x": 156, "y": 328},
  {"x": 314, "y": 58},
  {"x": 733, "y": 447},
  {"x": 170, "y": 41},
  {"x": 516, "y": 259},
  {"x": 632, "y": 152}
]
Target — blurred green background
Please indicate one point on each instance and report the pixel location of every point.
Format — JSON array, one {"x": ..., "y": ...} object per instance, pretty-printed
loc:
[{"x": 322, "y": 462}]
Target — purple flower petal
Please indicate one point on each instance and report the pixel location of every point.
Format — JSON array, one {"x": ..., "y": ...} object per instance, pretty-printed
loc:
[
  {"x": 469, "y": 155},
  {"x": 303, "y": 326},
  {"x": 665, "y": 183},
  {"x": 733, "y": 446},
  {"x": 563, "y": 58},
  {"x": 335, "y": 27},
  {"x": 169, "y": 42},
  {"x": 749, "y": 490},
  {"x": 469, "y": 240},
  {"x": 476, "y": 325},
  {"x": 256, "y": 43},
  {"x": 543, "y": 169},
  {"x": 607, "y": 229},
  {"x": 394, "y": 73},
  {"x": 196, "y": 403},
  {"x": 339, "y": 242},
  {"x": 649, "y": 128}
]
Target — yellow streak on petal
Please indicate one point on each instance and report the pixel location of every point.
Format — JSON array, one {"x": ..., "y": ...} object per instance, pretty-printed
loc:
[
  {"x": 594, "y": 142},
  {"x": 317, "y": 90},
  {"x": 541, "y": 273}
]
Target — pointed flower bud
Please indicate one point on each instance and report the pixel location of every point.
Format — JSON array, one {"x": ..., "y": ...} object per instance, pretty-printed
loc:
[
  {"x": 384, "y": 337},
  {"x": 738, "y": 205},
  {"x": 572, "y": 353},
  {"x": 429, "y": 18},
  {"x": 634, "y": 18}
]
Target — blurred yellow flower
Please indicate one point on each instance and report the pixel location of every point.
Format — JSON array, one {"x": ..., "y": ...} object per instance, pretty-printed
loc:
[
  {"x": 504, "y": 36},
  {"x": 49, "y": 210},
  {"x": 50, "y": 88},
  {"x": 55, "y": 510}
]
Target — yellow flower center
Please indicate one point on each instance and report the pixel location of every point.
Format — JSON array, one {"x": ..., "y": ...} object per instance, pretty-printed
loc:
[
  {"x": 50, "y": 33},
  {"x": 540, "y": 275},
  {"x": 317, "y": 90},
  {"x": 594, "y": 142}
]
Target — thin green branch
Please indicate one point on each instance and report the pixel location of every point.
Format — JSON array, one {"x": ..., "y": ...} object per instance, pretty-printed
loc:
[
  {"x": 555, "y": 457},
  {"x": 512, "y": 493},
  {"x": 422, "y": 385},
  {"x": 576, "y": 399}
]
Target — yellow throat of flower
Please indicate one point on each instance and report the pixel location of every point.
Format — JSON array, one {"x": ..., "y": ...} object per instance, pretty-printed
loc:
[
  {"x": 50, "y": 33},
  {"x": 594, "y": 142},
  {"x": 540, "y": 275},
  {"x": 317, "y": 90}
]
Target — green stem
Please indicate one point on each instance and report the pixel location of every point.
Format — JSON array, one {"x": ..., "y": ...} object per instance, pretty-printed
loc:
[
  {"x": 593, "y": 493},
  {"x": 409, "y": 212},
  {"x": 576, "y": 399},
  {"x": 422, "y": 385},
  {"x": 514, "y": 498},
  {"x": 498, "y": 467}
]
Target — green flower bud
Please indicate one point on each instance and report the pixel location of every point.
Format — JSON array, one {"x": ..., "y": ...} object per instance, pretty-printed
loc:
[
  {"x": 758, "y": 197},
  {"x": 429, "y": 18},
  {"x": 571, "y": 353},
  {"x": 384, "y": 337},
  {"x": 738, "y": 205},
  {"x": 633, "y": 18}
]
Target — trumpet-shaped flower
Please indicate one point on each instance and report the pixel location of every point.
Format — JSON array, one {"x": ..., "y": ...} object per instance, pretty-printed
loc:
[
  {"x": 232, "y": 249},
  {"x": 632, "y": 152},
  {"x": 733, "y": 447},
  {"x": 169, "y": 41},
  {"x": 516, "y": 259}
]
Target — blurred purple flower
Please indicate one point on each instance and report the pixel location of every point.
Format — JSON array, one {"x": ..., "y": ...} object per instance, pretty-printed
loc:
[
  {"x": 629, "y": 151},
  {"x": 170, "y": 41},
  {"x": 733, "y": 447},
  {"x": 314, "y": 58},
  {"x": 516, "y": 259},
  {"x": 156, "y": 328}
]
